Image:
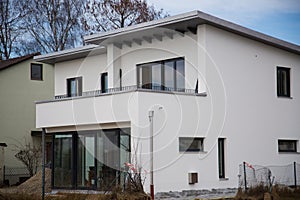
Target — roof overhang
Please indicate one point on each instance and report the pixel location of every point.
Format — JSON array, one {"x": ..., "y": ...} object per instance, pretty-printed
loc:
[
  {"x": 183, "y": 23},
  {"x": 71, "y": 54}
]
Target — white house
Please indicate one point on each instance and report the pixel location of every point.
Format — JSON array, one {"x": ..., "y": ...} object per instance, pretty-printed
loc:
[{"x": 220, "y": 94}]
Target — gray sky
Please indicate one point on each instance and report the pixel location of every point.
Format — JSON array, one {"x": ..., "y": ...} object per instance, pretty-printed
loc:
[{"x": 278, "y": 18}]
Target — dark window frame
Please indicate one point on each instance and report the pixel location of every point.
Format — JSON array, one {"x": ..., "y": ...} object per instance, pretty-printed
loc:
[
  {"x": 293, "y": 142},
  {"x": 79, "y": 85},
  {"x": 163, "y": 84},
  {"x": 103, "y": 84},
  {"x": 281, "y": 83},
  {"x": 189, "y": 149},
  {"x": 40, "y": 73},
  {"x": 74, "y": 135}
]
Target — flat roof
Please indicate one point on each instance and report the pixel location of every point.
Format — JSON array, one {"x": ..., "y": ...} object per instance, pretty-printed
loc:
[
  {"x": 190, "y": 20},
  {"x": 95, "y": 44},
  {"x": 71, "y": 54}
]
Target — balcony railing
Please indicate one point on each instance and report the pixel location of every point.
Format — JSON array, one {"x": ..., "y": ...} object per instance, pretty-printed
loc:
[{"x": 162, "y": 89}]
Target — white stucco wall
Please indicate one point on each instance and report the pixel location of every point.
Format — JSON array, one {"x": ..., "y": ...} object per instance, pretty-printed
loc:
[{"x": 90, "y": 68}]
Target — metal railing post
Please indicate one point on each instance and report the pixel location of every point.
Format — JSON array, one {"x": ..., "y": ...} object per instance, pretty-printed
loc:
[
  {"x": 295, "y": 174},
  {"x": 43, "y": 163},
  {"x": 245, "y": 174}
]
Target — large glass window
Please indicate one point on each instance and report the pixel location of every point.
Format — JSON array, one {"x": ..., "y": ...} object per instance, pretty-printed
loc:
[
  {"x": 162, "y": 75},
  {"x": 91, "y": 159},
  {"x": 62, "y": 161}
]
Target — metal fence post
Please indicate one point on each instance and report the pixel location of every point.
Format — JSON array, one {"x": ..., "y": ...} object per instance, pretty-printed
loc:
[
  {"x": 295, "y": 175},
  {"x": 245, "y": 179},
  {"x": 4, "y": 174},
  {"x": 43, "y": 163}
]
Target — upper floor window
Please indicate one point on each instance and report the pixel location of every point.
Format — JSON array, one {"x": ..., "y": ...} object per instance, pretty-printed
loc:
[
  {"x": 104, "y": 82},
  {"x": 36, "y": 71},
  {"x": 162, "y": 75},
  {"x": 287, "y": 145},
  {"x": 283, "y": 82},
  {"x": 191, "y": 144},
  {"x": 74, "y": 87}
]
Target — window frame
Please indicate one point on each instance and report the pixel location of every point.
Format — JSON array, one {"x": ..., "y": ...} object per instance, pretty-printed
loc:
[
  {"x": 280, "y": 81},
  {"x": 162, "y": 86},
  {"x": 79, "y": 85},
  {"x": 294, "y": 142},
  {"x": 40, "y": 78},
  {"x": 189, "y": 150},
  {"x": 104, "y": 82}
]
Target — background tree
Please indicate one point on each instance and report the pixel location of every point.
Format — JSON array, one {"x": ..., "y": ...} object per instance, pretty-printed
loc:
[
  {"x": 11, "y": 14},
  {"x": 53, "y": 25},
  {"x": 30, "y": 156},
  {"x": 104, "y": 15}
]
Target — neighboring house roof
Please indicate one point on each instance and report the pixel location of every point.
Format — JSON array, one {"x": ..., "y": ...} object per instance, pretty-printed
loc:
[
  {"x": 179, "y": 23},
  {"x": 10, "y": 62}
]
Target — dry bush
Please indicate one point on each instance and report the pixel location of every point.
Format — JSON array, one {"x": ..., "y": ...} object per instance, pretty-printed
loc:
[{"x": 278, "y": 192}]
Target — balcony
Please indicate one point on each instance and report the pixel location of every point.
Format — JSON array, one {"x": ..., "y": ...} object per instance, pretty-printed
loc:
[{"x": 144, "y": 88}]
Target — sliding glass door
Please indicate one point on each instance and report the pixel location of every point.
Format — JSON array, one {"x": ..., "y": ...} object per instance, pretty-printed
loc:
[{"x": 90, "y": 159}]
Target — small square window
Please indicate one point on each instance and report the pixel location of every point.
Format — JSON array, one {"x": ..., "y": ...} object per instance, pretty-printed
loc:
[
  {"x": 283, "y": 82},
  {"x": 287, "y": 145},
  {"x": 190, "y": 144},
  {"x": 36, "y": 71}
]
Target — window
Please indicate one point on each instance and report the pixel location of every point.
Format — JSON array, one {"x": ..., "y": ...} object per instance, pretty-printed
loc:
[
  {"x": 36, "y": 71},
  {"x": 221, "y": 157},
  {"x": 287, "y": 145},
  {"x": 190, "y": 144},
  {"x": 90, "y": 159},
  {"x": 104, "y": 82},
  {"x": 283, "y": 82},
  {"x": 74, "y": 87},
  {"x": 162, "y": 75}
]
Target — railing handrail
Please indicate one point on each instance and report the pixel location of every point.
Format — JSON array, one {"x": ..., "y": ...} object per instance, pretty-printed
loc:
[{"x": 127, "y": 89}]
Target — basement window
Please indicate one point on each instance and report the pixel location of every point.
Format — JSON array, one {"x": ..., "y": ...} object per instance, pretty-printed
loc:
[
  {"x": 191, "y": 144},
  {"x": 287, "y": 145}
]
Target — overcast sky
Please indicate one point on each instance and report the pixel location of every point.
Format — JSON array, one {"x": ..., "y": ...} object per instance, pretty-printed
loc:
[{"x": 278, "y": 18}]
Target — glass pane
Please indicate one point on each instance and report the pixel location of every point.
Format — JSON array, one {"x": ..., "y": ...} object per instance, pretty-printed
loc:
[
  {"x": 169, "y": 80},
  {"x": 156, "y": 76},
  {"x": 191, "y": 144},
  {"x": 108, "y": 163},
  {"x": 73, "y": 88},
  {"x": 63, "y": 161},
  {"x": 36, "y": 71},
  {"x": 180, "y": 80},
  {"x": 146, "y": 77},
  {"x": 86, "y": 161},
  {"x": 287, "y": 145}
]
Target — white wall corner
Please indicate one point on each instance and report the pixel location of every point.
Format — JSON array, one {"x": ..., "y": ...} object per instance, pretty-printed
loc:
[{"x": 201, "y": 43}]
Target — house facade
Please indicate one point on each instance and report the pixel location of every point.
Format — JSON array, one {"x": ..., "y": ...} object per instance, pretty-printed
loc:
[
  {"x": 22, "y": 82},
  {"x": 216, "y": 93}
]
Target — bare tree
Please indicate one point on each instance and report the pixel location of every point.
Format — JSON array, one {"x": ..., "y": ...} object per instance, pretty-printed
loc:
[
  {"x": 104, "y": 15},
  {"x": 11, "y": 13},
  {"x": 54, "y": 24},
  {"x": 31, "y": 156}
]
